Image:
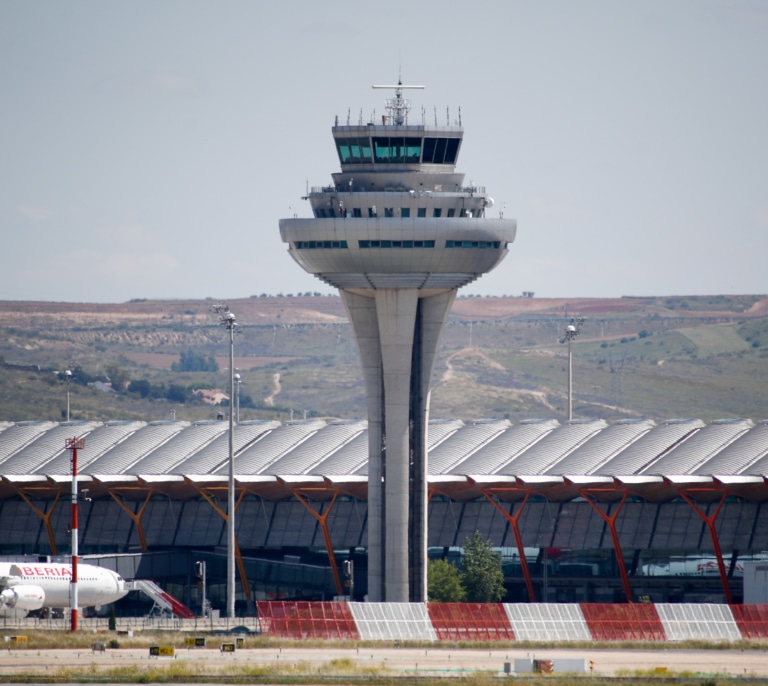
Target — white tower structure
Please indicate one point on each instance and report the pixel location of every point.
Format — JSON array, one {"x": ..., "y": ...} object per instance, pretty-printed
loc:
[{"x": 398, "y": 233}]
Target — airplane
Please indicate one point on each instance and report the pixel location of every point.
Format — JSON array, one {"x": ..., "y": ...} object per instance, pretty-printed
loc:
[
  {"x": 698, "y": 566},
  {"x": 28, "y": 586}
]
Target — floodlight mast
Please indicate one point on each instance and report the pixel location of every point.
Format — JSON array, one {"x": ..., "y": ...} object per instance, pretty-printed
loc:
[
  {"x": 227, "y": 319},
  {"x": 238, "y": 381},
  {"x": 571, "y": 331},
  {"x": 68, "y": 378}
]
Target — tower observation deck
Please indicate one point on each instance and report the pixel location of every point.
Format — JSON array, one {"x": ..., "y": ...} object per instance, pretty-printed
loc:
[{"x": 398, "y": 233}]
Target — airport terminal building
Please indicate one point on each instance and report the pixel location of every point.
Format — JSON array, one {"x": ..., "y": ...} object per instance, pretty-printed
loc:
[{"x": 584, "y": 511}]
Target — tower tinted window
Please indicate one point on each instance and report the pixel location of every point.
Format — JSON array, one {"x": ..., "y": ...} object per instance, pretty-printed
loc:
[
  {"x": 429, "y": 150},
  {"x": 451, "y": 150},
  {"x": 396, "y": 149},
  {"x": 354, "y": 150},
  {"x": 440, "y": 150}
]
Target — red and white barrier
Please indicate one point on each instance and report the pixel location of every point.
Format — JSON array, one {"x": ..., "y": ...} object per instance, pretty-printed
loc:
[{"x": 549, "y": 622}]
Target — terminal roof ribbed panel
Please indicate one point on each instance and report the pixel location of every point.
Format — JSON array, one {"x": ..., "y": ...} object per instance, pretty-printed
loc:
[
  {"x": 440, "y": 429},
  {"x": 460, "y": 445},
  {"x": 98, "y": 442},
  {"x": 647, "y": 448},
  {"x": 699, "y": 448},
  {"x": 597, "y": 451},
  {"x": 753, "y": 443},
  {"x": 122, "y": 458},
  {"x": 164, "y": 459},
  {"x": 307, "y": 456},
  {"x": 212, "y": 456},
  {"x": 479, "y": 448},
  {"x": 498, "y": 452},
  {"x": 258, "y": 459},
  {"x": 351, "y": 458},
  {"x": 16, "y": 437},
  {"x": 552, "y": 448},
  {"x": 743, "y": 456},
  {"x": 45, "y": 447}
]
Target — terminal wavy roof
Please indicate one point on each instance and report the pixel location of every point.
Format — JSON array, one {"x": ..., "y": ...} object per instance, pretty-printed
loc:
[{"x": 466, "y": 458}]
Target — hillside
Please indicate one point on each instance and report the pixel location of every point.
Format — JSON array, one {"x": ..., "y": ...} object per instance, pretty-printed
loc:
[{"x": 658, "y": 357}]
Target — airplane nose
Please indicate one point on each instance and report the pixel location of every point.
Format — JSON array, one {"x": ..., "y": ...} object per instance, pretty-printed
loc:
[{"x": 121, "y": 584}]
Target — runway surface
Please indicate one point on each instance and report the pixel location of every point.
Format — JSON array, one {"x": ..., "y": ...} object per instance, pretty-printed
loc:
[{"x": 441, "y": 661}]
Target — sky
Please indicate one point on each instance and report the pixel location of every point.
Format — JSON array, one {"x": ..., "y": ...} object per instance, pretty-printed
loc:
[{"x": 148, "y": 149}]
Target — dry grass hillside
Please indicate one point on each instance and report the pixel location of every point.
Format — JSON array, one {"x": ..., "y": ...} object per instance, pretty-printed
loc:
[{"x": 658, "y": 357}]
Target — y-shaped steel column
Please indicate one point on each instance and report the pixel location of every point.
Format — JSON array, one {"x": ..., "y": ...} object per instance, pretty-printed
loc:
[
  {"x": 323, "y": 521},
  {"x": 710, "y": 522},
  {"x": 45, "y": 516},
  {"x": 514, "y": 522},
  {"x": 135, "y": 516},
  {"x": 610, "y": 520},
  {"x": 238, "y": 554}
]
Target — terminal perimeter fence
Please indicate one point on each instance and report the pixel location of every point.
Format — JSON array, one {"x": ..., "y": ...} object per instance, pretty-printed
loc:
[{"x": 548, "y": 622}]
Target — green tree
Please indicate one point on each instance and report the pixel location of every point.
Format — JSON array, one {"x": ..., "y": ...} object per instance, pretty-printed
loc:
[
  {"x": 444, "y": 583},
  {"x": 118, "y": 377},
  {"x": 140, "y": 386},
  {"x": 177, "y": 393},
  {"x": 190, "y": 361},
  {"x": 481, "y": 571}
]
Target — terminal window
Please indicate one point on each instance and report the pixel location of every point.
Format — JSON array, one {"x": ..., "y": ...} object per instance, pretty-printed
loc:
[
  {"x": 396, "y": 244},
  {"x": 315, "y": 245},
  {"x": 473, "y": 244}
]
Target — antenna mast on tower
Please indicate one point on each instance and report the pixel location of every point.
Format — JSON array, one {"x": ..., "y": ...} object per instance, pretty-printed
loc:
[{"x": 397, "y": 107}]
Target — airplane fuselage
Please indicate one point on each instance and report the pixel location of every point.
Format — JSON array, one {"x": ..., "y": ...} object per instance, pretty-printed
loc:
[{"x": 26, "y": 584}]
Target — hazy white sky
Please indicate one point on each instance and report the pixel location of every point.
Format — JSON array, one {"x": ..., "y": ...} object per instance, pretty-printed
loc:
[{"x": 148, "y": 149}]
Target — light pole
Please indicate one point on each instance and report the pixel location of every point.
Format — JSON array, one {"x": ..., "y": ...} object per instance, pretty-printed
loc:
[
  {"x": 228, "y": 320},
  {"x": 571, "y": 331},
  {"x": 237, "y": 399},
  {"x": 68, "y": 378}
]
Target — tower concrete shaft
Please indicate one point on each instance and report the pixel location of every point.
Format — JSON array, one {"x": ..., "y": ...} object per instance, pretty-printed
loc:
[
  {"x": 398, "y": 334},
  {"x": 398, "y": 233}
]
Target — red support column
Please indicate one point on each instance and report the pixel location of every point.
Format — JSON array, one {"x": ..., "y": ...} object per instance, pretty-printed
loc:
[
  {"x": 514, "y": 520},
  {"x": 610, "y": 520},
  {"x": 135, "y": 517},
  {"x": 710, "y": 522},
  {"x": 238, "y": 554},
  {"x": 45, "y": 516},
  {"x": 323, "y": 520}
]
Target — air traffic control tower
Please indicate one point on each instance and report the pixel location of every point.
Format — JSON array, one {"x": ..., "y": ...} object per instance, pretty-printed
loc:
[{"x": 398, "y": 233}]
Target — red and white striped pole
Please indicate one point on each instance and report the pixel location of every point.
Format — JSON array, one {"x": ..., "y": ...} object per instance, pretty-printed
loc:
[{"x": 74, "y": 444}]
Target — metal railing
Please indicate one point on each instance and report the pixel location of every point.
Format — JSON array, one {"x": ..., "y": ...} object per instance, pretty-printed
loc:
[{"x": 125, "y": 624}]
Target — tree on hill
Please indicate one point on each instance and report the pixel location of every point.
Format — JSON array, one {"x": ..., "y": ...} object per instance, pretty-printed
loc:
[
  {"x": 190, "y": 361},
  {"x": 481, "y": 572}
]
